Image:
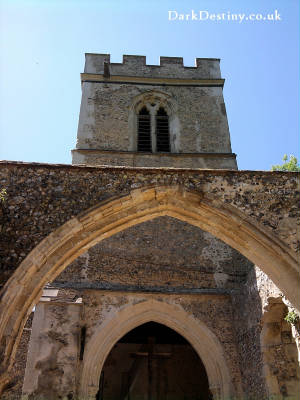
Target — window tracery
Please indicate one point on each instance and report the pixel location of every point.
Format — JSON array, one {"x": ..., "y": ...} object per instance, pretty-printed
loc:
[{"x": 153, "y": 129}]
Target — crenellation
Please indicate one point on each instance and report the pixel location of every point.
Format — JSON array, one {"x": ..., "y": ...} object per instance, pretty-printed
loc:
[
  {"x": 132, "y": 59},
  {"x": 172, "y": 67},
  {"x": 94, "y": 63},
  {"x": 171, "y": 61},
  {"x": 211, "y": 66}
]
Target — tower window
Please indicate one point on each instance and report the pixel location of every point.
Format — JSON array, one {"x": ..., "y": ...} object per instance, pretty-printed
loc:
[
  {"x": 162, "y": 131},
  {"x": 144, "y": 131}
]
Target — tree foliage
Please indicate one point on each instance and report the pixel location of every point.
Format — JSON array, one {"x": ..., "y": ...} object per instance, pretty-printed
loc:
[
  {"x": 292, "y": 317},
  {"x": 3, "y": 195},
  {"x": 288, "y": 165}
]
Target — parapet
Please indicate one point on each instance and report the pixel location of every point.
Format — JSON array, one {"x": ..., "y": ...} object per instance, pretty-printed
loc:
[{"x": 169, "y": 67}]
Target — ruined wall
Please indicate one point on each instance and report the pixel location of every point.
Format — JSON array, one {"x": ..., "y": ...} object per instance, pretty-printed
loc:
[
  {"x": 13, "y": 390},
  {"x": 40, "y": 198},
  {"x": 54, "y": 364},
  {"x": 247, "y": 321},
  {"x": 267, "y": 350},
  {"x": 53, "y": 352},
  {"x": 281, "y": 367}
]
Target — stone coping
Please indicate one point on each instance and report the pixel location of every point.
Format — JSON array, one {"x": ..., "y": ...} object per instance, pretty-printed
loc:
[
  {"x": 28, "y": 164},
  {"x": 160, "y": 154},
  {"x": 100, "y": 78}
]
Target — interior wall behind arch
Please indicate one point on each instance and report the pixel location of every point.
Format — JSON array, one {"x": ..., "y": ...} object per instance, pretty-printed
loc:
[{"x": 161, "y": 254}]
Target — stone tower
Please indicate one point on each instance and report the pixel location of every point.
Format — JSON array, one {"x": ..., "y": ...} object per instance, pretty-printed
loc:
[{"x": 140, "y": 115}]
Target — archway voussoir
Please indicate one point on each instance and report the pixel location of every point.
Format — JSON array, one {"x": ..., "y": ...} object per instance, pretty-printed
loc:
[{"x": 143, "y": 194}]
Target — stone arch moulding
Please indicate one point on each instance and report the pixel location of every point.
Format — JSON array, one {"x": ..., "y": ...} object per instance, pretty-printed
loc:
[
  {"x": 204, "y": 342},
  {"x": 53, "y": 254},
  {"x": 160, "y": 99}
]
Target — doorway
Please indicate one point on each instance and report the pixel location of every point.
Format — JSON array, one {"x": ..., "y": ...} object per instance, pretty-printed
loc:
[{"x": 153, "y": 362}]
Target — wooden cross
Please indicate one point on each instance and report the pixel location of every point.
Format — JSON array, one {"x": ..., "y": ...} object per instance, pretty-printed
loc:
[{"x": 151, "y": 355}]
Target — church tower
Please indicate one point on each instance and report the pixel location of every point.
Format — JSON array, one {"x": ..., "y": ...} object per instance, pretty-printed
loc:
[{"x": 139, "y": 115}]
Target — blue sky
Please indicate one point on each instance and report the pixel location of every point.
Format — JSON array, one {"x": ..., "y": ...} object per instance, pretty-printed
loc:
[{"x": 42, "y": 54}]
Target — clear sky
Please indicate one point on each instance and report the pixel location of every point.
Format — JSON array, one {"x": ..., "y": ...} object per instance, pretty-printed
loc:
[{"x": 42, "y": 54}]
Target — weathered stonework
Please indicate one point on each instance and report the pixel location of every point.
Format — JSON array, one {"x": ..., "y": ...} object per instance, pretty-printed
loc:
[
  {"x": 112, "y": 95},
  {"x": 41, "y": 197},
  {"x": 53, "y": 351},
  {"x": 159, "y": 255},
  {"x": 13, "y": 390}
]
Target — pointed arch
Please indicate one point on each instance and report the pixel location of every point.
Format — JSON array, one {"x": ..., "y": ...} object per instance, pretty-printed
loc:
[
  {"x": 201, "y": 338},
  {"x": 65, "y": 244}
]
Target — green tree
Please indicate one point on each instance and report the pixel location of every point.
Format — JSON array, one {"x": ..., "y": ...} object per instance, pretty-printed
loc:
[{"x": 288, "y": 165}]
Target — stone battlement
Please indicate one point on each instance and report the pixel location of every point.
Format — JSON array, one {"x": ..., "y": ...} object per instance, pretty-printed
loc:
[{"x": 171, "y": 67}]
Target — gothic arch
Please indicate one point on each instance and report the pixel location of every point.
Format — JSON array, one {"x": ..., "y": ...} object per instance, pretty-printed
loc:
[
  {"x": 65, "y": 244},
  {"x": 204, "y": 342}
]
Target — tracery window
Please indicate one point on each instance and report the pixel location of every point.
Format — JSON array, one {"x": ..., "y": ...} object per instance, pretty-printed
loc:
[{"x": 153, "y": 129}]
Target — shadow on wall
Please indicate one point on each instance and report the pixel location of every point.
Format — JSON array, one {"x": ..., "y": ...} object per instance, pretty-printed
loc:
[
  {"x": 266, "y": 344},
  {"x": 247, "y": 319}
]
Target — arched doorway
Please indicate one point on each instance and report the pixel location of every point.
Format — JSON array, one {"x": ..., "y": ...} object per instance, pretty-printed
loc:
[
  {"x": 204, "y": 342},
  {"x": 153, "y": 362}
]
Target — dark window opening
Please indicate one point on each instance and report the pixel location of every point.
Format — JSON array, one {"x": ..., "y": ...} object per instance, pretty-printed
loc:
[
  {"x": 144, "y": 131},
  {"x": 162, "y": 131}
]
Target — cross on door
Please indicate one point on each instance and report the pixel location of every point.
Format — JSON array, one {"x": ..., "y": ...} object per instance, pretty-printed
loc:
[{"x": 151, "y": 355}]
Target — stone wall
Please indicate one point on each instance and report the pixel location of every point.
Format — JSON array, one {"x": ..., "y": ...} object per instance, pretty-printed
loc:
[
  {"x": 53, "y": 354},
  {"x": 41, "y": 197},
  {"x": 267, "y": 350},
  {"x": 135, "y": 159},
  {"x": 104, "y": 118},
  {"x": 159, "y": 255},
  {"x": 13, "y": 391},
  {"x": 55, "y": 347},
  {"x": 247, "y": 321}
]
